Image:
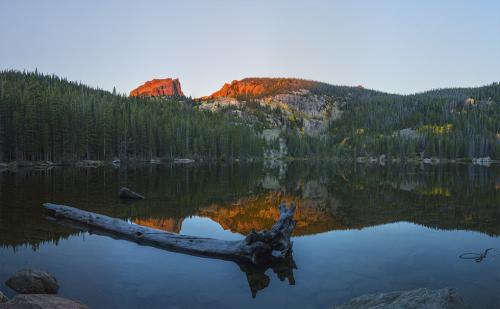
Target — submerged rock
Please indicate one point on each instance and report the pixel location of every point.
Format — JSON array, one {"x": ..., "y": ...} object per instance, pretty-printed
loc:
[
  {"x": 3, "y": 298},
  {"x": 33, "y": 281},
  {"x": 419, "y": 298},
  {"x": 183, "y": 160},
  {"x": 41, "y": 301},
  {"x": 89, "y": 163},
  {"x": 126, "y": 193}
]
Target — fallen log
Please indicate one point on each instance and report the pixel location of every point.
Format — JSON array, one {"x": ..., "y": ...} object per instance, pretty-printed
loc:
[{"x": 259, "y": 248}]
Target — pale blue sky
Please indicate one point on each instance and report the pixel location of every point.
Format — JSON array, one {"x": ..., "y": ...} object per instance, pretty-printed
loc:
[{"x": 395, "y": 46}]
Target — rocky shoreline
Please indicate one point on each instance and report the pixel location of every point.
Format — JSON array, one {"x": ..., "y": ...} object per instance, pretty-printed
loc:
[
  {"x": 45, "y": 165},
  {"x": 446, "y": 298},
  {"x": 371, "y": 160},
  {"x": 37, "y": 290},
  {"x": 382, "y": 160}
]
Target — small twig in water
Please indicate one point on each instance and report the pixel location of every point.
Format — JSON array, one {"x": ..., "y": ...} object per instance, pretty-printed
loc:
[{"x": 478, "y": 257}]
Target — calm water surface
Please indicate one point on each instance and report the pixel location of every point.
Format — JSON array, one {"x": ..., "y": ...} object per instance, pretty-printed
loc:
[{"x": 360, "y": 230}]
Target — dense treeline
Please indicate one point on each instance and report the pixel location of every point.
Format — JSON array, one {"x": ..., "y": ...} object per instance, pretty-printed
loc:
[
  {"x": 47, "y": 118},
  {"x": 445, "y": 123}
]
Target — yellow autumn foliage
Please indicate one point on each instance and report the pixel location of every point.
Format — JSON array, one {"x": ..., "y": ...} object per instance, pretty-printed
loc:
[{"x": 437, "y": 129}]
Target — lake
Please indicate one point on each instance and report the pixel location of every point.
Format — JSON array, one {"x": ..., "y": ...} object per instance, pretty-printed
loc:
[{"x": 360, "y": 229}]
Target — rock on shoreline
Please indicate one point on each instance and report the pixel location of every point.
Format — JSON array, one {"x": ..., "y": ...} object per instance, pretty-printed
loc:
[
  {"x": 446, "y": 298},
  {"x": 33, "y": 281},
  {"x": 41, "y": 301},
  {"x": 37, "y": 289},
  {"x": 3, "y": 298}
]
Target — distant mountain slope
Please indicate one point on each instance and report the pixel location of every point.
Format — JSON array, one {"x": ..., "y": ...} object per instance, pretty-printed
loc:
[
  {"x": 445, "y": 123},
  {"x": 318, "y": 119}
]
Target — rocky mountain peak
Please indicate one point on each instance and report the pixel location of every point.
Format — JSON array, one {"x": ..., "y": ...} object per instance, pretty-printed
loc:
[{"x": 158, "y": 88}]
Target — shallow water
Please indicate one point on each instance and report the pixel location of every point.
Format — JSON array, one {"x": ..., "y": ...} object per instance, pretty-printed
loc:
[{"x": 360, "y": 230}]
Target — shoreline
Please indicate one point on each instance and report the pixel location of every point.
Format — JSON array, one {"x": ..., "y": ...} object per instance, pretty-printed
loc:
[{"x": 381, "y": 161}]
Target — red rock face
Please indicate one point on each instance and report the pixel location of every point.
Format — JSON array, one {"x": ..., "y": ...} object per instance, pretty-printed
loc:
[
  {"x": 261, "y": 87},
  {"x": 158, "y": 87},
  {"x": 237, "y": 88}
]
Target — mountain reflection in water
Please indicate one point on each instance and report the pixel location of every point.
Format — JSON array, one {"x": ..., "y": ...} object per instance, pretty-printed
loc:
[
  {"x": 240, "y": 198},
  {"x": 348, "y": 202},
  {"x": 328, "y": 197}
]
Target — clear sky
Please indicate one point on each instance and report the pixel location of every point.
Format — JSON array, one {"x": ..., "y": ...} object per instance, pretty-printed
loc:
[{"x": 395, "y": 46}]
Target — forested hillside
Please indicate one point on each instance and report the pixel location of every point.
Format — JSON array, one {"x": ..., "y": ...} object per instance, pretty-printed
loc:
[
  {"x": 48, "y": 118},
  {"x": 445, "y": 123}
]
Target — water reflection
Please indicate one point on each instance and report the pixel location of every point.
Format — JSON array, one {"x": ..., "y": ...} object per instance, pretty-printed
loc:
[
  {"x": 328, "y": 197},
  {"x": 256, "y": 274},
  {"x": 259, "y": 280},
  {"x": 238, "y": 198}
]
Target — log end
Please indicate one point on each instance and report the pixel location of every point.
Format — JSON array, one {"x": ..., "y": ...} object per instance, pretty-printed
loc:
[{"x": 274, "y": 245}]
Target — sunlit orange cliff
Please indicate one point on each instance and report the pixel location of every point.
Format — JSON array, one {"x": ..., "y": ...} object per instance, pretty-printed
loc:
[
  {"x": 158, "y": 87},
  {"x": 261, "y": 87}
]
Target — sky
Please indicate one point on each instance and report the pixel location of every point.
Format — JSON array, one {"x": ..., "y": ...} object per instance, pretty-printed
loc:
[{"x": 390, "y": 45}]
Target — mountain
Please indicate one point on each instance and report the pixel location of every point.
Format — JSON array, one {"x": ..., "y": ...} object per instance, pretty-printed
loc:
[
  {"x": 46, "y": 118},
  {"x": 159, "y": 87},
  {"x": 310, "y": 118},
  {"x": 260, "y": 87},
  {"x": 306, "y": 105}
]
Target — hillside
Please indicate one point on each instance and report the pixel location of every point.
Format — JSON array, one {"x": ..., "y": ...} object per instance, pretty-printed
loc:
[
  {"x": 304, "y": 105},
  {"x": 318, "y": 119},
  {"x": 444, "y": 123},
  {"x": 48, "y": 118},
  {"x": 45, "y": 117}
]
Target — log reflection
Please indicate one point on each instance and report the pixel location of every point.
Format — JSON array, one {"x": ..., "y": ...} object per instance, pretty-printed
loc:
[{"x": 257, "y": 278}]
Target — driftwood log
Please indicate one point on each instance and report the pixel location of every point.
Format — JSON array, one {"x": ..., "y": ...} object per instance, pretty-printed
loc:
[{"x": 258, "y": 248}]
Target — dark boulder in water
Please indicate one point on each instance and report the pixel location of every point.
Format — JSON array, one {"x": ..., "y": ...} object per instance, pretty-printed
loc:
[{"x": 126, "y": 193}]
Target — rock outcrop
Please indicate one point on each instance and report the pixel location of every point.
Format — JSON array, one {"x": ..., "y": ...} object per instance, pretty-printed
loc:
[
  {"x": 33, "y": 281},
  {"x": 446, "y": 298},
  {"x": 41, "y": 301},
  {"x": 309, "y": 106},
  {"x": 263, "y": 86},
  {"x": 158, "y": 88},
  {"x": 238, "y": 88}
]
